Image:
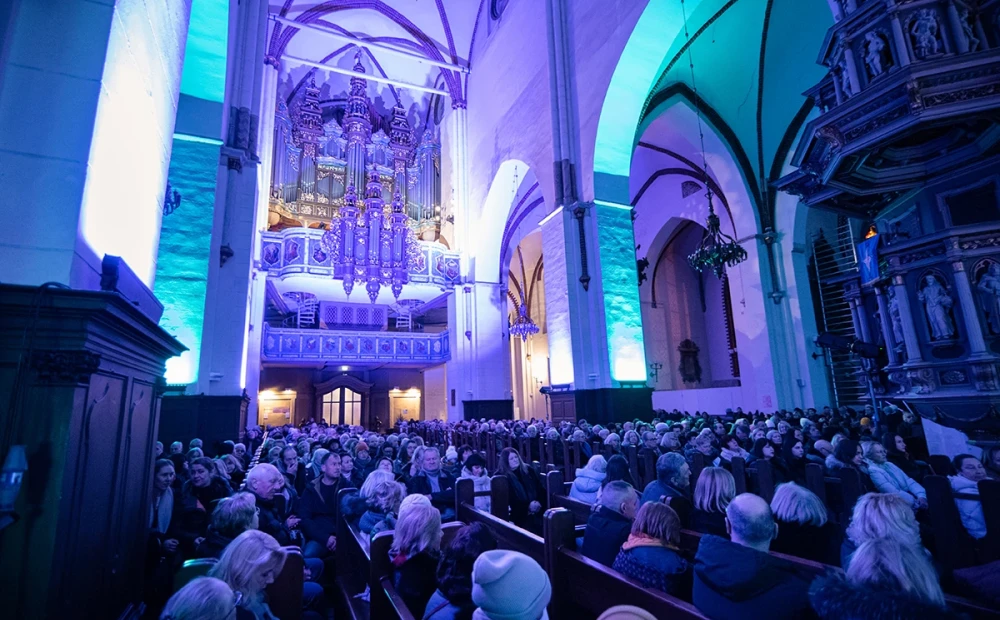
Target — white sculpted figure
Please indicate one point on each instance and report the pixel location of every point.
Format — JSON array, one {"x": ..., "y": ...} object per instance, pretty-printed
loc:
[
  {"x": 875, "y": 46},
  {"x": 925, "y": 33},
  {"x": 989, "y": 290},
  {"x": 937, "y": 303}
]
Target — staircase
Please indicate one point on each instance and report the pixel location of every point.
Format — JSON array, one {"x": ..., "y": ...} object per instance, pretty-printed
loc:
[{"x": 831, "y": 261}]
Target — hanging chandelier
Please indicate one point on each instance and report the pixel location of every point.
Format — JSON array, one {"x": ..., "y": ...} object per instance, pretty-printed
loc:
[
  {"x": 371, "y": 243},
  {"x": 523, "y": 326},
  {"x": 717, "y": 250}
]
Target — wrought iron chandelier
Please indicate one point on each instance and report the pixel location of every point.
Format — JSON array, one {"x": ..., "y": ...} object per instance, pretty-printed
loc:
[
  {"x": 523, "y": 326},
  {"x": 717, "y": 250},
  {"x": 372, "y": 243}
]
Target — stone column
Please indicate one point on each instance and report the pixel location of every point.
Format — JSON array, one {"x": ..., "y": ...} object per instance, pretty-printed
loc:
[
  {"x": 955, "y": 26},
  {"x": 224, "y": 351},
  {"x": 458, "y": 149},
  {"x": 856, "y": 318},
  {"x": 479, "y": 369},
  {"x": 852, "y": 67},
  {"x": 969, "y": 315},
  {"x": 906, "y": 319},
  {"x": 898, "y": 37},
  {"x": 886, "y": 321}
]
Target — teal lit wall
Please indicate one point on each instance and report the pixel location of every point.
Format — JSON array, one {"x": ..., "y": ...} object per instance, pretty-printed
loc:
[
  {"x": 204, "y": 74},
  {"x": 182, "y": 265}
]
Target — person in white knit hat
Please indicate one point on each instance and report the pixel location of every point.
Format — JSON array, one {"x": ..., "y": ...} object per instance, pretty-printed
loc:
[{"x": 507, "y": 585}]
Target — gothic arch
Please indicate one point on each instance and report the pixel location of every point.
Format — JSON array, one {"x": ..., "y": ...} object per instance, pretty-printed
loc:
[{"x": 351, "y": 383}]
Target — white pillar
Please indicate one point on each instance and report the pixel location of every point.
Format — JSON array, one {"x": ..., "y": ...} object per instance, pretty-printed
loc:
[
  {"x": 886, "y": 321},
  {"x": 228, "y": 296},
  {"x": 906, "y": 319},
  {"x": 968, "y": 304},
  {"x": 458, "y": 148},
  {"x": 480, "y": 360}
]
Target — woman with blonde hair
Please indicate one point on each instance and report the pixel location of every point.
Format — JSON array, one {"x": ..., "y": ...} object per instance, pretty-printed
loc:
[
  {"x": 416, "y": 546},
  {"x": 383, "y": 496},
  {"x": 588, "y": 479},
  {"x": 650, "y": 555},
  {"x": 248, "y": 565},
  {"x": 886, "y": 579},
  {"x": 881, "y": 516},
  {"x": 804, "y": 528},
  {"x": 715, "y": 489},
  {"x": 204, "y": 598},
  {"x": 231, "y": 517},
  {"x": 235, "y": 468}
]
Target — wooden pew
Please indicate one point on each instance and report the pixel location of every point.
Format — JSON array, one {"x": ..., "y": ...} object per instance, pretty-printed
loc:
[
  {"x": 284, "y": 596},
  {"x": 989, "y": 495},
  {"x": 697, "y": 465},
  {"x": 739, "y": 471},
  {"x": 953, "y": 546},
  {"x": 558, "y": 498},
  {"x": 814, "y": 480},
  {"x": 508, "y": 535},
  {"x": 762, "y": 480},
  {"x": 584, "y": 589}
]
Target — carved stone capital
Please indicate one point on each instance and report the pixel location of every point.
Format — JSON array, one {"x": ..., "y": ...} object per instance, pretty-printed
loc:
[
  {"x": 986, "y": 377},
  {"x": 65, "y": 366}
]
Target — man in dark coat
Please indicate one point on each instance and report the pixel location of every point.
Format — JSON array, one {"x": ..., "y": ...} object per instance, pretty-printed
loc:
[
  {"x": 611, "y": 522},
  {"x": 672, "y": 485},
  {"x": 265, "y": 482},
  {"x": 438, "y": 485},
  {"x": 738, "y": 578},
  {"x": 318, "y": 508}
]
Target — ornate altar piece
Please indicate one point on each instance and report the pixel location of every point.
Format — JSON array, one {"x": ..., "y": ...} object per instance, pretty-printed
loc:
[{"x": 908, "y": 138}]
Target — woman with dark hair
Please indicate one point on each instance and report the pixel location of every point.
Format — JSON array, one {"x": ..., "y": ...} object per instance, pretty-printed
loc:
[
  {"x": 848, "y": 455},
  {"x": 793, "y": 458},
  {"x": 180, "y": 470},
  {"x": 453, "y": 598},
  {"x": 617, "y": 469},
  {"x": 204, "y": 485},
  {"x": 763, "y": 450},
  {"x": 526, "y": 492},
  {"x": 895, "y": 453},
  {"x": 730, "y": 449}
]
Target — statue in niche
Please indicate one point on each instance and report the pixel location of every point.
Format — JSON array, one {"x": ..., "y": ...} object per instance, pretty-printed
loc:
[
  {"x": 874, "y": 54},
  {"x": 937, "y": 305},
  {"x": 989, "y": 295},
  {"x": 967, "y": 31},
  {"x": 925, "y": 34},
  {"x": 689, "y": 367},
  {"x": 845, "y": 79},
  {"x": 897, "y": 322}
]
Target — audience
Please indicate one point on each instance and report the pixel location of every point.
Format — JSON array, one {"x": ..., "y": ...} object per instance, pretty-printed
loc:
[
  {"x": 318, "y": 509},
  {"x": 453, "y": 598},
  {"x": 438, "y": 485},
  {"x": 416, "y": 545},
  {"x": 525, "y": 490},
  {"x": 204, "y": 598},
  {"x": 716, "y": 487},
  {"x": 847, "y": 454},
  {"x": 474, "y": 468},
  {"x": 886, "y": 579},
  {"x": 264, "y": 481},
  {"x": 993, "y": 463},
  {"x": 804, "y": 528},
  {"x": 248, "y": 565},
  {"x": 507, "y": 585},
  {"x": 880, "y": 516},
  {"x": 896, "y": 453},
  {"x": 383, "y": 496},
  {"x": 650, "y": 554},
  {"x": 588, "y": 480},
  {"x": 970, "y": 471},
  {"x": 231, "y": 517},
  {"x": 352, "y": 477},
  {"x": 609, "y": 525},
  {"x": 738, "y": 578},
  {"x": 888, "y": 478},
  {"x": 672, "y": 485}
]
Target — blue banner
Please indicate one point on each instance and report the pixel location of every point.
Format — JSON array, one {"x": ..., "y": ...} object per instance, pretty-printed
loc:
[{"x": 868, "y": 259}]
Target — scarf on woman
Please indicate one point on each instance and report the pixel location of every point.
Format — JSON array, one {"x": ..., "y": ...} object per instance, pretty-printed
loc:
[
  {"x": 642, "y": 540},
  {"x": 728, "y": 455},
  {"x": 163, "y": 509}
]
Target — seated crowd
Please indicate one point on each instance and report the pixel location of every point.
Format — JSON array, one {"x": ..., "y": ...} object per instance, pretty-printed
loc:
[{"x": 250, "y": 504}]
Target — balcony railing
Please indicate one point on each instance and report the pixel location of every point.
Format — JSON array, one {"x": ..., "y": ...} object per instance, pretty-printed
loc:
[
  {"x": 295, "y": 251},
  {"x": 321, "y": 345}
]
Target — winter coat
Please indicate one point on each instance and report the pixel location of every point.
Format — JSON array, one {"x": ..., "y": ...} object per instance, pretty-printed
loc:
[
  {"x": 213, "y": 545},
  {"x": 819, "y": 544},
  {"x": 733, "y": 581},
  {"x": 888, "y": 478},
  {"x": 708, "y": 522},
  {"x": 678, "y": 499},
  {"x": 656, "y": 567},
  {"x": 833, "y": 598},
  {"x": 586, "y": 484},
  {"x": 481, "y": 483},
  {"x": 970, "y": 510},
  {"x": 440, "y": 608},
  {"x": 319, "y": 516},
  {"x": 606, "y": 532},
  {"x": 269, "y": 520},
  {"x": 524, "y": 488},
  {"x": 443, "y": 499},
  {"x": 415, "y": 579}
]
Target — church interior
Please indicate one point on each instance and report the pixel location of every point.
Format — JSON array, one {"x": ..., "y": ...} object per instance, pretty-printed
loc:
[{"x": 462, "y": 217}]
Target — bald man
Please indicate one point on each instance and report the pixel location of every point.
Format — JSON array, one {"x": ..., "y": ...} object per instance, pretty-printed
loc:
[{"x": 738, "y": 578}]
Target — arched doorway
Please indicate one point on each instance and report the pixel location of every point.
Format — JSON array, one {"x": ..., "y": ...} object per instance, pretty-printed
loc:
[{"x": 343, "y": 400}]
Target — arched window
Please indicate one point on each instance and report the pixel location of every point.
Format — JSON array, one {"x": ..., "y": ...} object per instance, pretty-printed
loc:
[{"x": 342, "y": 406}]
